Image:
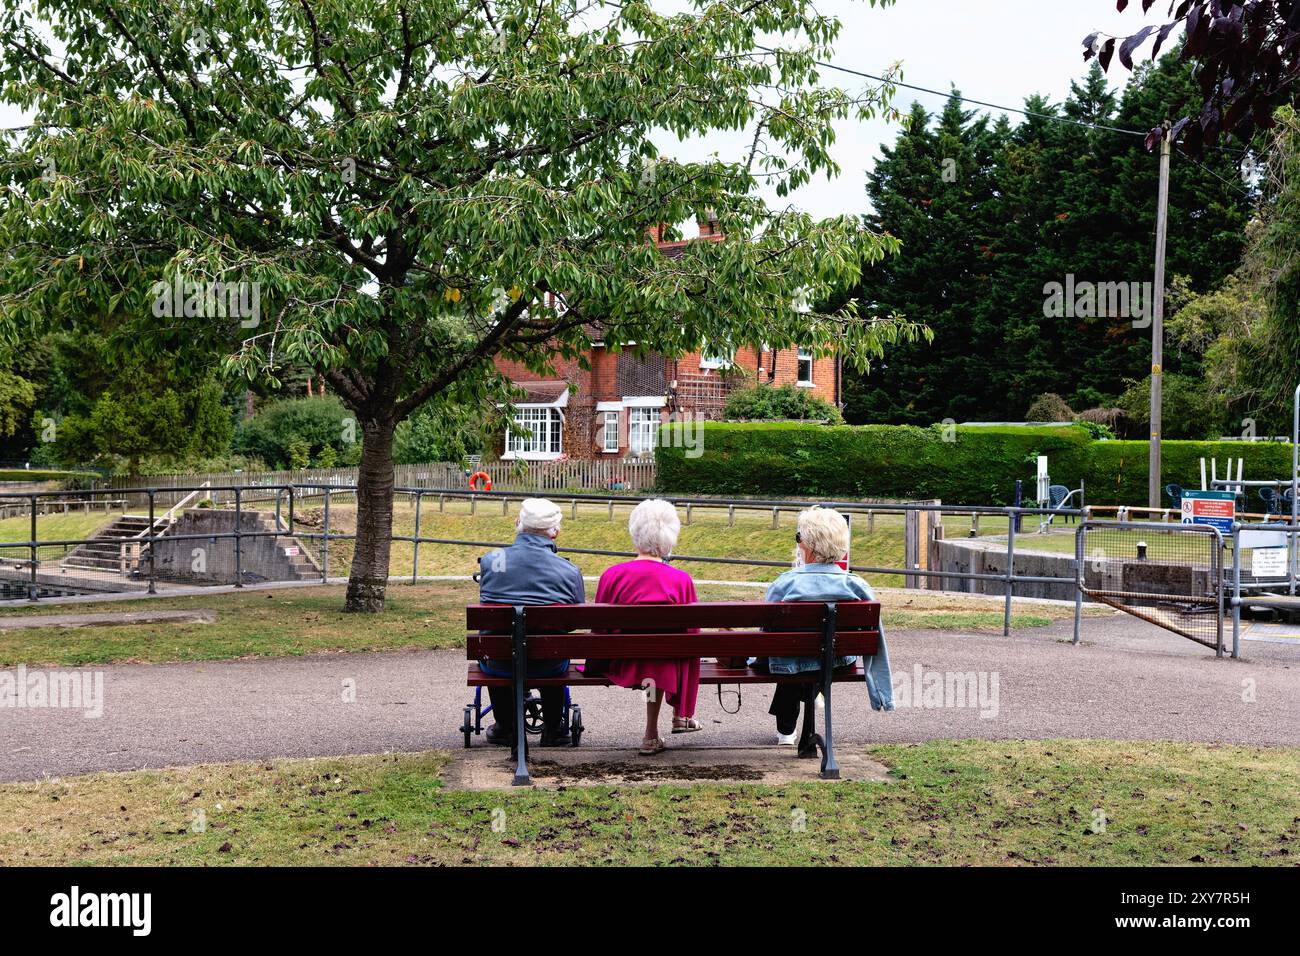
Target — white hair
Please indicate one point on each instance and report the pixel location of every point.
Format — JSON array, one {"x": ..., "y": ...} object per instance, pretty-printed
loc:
[
  {"x": 825, "y": 533},
  {"x": 654, "y": 527},
  {"x": 539, "y": 516}
]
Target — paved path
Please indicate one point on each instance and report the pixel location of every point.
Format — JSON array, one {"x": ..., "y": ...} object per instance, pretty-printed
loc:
[
  {"x": 196, "y": 616},
  {"x": 1127, "y": 681}
]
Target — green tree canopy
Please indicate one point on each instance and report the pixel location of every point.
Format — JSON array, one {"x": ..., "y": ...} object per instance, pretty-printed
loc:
[
  {"x": 402, "y": 190},
  {"x": 989, "y": 214}
]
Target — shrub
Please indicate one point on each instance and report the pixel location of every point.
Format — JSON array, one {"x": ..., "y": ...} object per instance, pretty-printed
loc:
[
  {"x": 291, "y": 433},
  {"x": 779, "y": 403},
  {"x": 1049, "y": 407},
  {"x": 979, "y": 467}
]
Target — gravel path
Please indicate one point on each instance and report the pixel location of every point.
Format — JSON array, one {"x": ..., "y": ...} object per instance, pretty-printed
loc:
[{"x": 1126, "y": 681}]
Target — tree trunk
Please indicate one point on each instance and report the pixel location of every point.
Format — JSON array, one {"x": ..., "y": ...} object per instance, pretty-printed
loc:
[{"x": 369, "y": 578}]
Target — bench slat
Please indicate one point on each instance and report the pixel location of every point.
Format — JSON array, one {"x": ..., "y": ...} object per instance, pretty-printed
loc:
[
  {"x": 640, "y": 646},
  {"x": 770, "y": 616},
  {"x": 710, "y": 673}
]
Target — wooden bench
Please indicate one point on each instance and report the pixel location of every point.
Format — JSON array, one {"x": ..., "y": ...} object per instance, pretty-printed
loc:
[{"x": 756, "y": 629}]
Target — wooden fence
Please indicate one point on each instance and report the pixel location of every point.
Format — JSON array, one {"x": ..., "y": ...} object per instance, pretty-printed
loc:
[{"x": 567, "y": 475}]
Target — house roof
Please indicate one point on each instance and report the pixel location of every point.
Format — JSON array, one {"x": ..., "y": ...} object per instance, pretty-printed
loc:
[{"x": 543, "y": 393}]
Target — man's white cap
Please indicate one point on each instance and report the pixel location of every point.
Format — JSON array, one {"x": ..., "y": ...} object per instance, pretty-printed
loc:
[{"x": 540, "y": 515}]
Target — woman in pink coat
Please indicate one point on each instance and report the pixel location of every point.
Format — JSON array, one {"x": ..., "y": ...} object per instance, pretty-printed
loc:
[{"x": 647, "y": 579}]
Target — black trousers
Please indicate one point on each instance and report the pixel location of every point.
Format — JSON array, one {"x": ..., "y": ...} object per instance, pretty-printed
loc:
[
  {"x": 787, "y": 701},
  {"x": 503, "y": 707}
]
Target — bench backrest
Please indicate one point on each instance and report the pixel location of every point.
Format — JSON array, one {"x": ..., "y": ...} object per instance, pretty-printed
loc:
[{"x": 759, "y": 628}]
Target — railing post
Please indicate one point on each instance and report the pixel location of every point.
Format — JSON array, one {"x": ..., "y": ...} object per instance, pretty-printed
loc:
[
  {"x": 415, "y": 549},
  {"x": 325, "y": 541},
  {"x": 32, "y": 591},
  {"x": 1078, "y": 581},
  {"x": 1012, "y": 524},
  {"x": 239, "y": 546},
  {"x": 776, "y": 518},
  {"x": 153, "y": 589},
  {"x": 1236, "y": 591}
]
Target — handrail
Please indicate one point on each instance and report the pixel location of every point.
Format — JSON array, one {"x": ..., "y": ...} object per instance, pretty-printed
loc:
[{"x": 169, "y": 515}]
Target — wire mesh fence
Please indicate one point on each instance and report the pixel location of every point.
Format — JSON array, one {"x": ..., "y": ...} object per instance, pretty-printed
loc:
[{"x": 1169, "y": 575}]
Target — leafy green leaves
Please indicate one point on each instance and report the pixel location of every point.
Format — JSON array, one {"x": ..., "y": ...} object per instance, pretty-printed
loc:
[{"x": 383, "y": 171}]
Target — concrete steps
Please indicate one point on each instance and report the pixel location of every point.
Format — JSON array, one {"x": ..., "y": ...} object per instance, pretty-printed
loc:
[{"x": 113, "y": 548}]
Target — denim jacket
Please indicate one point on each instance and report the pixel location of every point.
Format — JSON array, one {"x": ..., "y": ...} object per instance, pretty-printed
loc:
[{"x": 830, "y": 582}]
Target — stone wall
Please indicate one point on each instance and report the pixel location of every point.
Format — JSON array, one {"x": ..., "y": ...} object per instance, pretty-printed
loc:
[{"x": 211, "y": 560}]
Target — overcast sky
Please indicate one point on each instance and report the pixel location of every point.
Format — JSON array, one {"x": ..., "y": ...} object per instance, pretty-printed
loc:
[{"x": 999, "y": 51}]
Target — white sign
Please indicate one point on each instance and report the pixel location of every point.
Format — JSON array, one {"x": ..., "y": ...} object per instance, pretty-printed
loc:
[
  {"x": 1268, "y": 562},
  {"x": 1263, "y": 539},
  {"x": 290, "y": 552}
]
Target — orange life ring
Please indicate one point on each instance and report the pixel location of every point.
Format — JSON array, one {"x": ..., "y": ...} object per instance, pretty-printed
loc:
[{"x": 487, "y": 481}]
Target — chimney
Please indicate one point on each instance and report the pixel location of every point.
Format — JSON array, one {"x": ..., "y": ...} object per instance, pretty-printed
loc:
[
  {"x": 656, "y": 234},
  {"x": 708, "y": 223}
]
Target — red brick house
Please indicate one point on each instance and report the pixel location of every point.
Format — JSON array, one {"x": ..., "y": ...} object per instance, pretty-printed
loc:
[{"x": 612, "y": 409}]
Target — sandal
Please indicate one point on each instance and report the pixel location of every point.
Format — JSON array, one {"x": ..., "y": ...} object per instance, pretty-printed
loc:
[
  {"x": 686, "y": 725},
  {"x": 651, "y": 746}
]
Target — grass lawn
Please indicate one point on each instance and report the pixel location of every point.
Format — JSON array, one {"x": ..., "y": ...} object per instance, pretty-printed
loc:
[
  {"x": 708, "y": 535},
  {"x": 951, "y": 802},
  {"x": 877, "y": 542},
  {"x": 52, "y": 527},
  {"x": 304, "y": 620}
]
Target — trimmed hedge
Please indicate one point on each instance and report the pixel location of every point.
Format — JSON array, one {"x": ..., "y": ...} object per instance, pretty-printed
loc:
[
  {"x": 779, "y": 459},
  {"x": 33, "y": 474}
]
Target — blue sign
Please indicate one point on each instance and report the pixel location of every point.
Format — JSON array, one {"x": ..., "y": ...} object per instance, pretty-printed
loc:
[{"x": 1216, "y": 508}]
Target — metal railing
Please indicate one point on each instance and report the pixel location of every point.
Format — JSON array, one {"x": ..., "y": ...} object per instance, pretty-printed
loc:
[{"x": 50, "y": 573}]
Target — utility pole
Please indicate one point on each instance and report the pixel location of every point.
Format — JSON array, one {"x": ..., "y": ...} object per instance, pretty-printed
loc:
[{"x": 1154, "y": 489}]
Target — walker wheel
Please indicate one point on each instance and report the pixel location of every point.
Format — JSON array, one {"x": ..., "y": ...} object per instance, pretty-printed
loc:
[
  {"x": 466, "y": 727},
  {"x": 533, "y": 714},
  {"x": 575, "y": 724}
]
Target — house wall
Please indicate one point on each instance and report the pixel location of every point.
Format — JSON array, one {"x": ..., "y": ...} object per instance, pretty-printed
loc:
[{"x": 689, "y": 389}]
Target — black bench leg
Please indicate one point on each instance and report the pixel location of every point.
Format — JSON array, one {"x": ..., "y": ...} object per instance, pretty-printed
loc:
[
  {"x": 830, "y": 769},
  {"x": 521, "y": 779}
]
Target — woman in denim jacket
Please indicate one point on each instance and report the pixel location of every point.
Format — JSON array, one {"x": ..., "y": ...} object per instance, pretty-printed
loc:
[{"x": 822, "y": 540}]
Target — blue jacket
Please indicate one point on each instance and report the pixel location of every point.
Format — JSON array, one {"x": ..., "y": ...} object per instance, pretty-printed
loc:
[
  {"x": 529, "y": 572},
  {"x": 830, "y": 582}
]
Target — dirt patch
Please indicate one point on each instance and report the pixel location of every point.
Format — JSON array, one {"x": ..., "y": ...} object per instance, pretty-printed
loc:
[
  {"x": 489, "y": 768},
  {"x": 601, "y": 771}
]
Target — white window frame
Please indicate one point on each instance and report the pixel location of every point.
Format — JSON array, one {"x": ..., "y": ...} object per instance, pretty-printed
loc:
[
  {"x": 716, "y": 360},
  {"x": 638, "y": 417},
  {"x": 614, "y": 416},
  {"x": 804, "y": 355},
  {"x": 536, "y": 446}
]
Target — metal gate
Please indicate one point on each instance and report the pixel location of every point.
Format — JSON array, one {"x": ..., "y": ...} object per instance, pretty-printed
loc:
[{"x": 1170, "y": 575}]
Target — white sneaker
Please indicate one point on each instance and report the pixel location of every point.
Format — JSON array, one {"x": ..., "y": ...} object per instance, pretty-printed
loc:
[{"x": 785, "y": 740}]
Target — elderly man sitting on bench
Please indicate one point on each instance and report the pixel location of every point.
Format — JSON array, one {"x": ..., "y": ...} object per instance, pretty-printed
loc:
[{"x": 529, "y": 572}]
